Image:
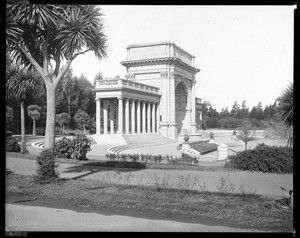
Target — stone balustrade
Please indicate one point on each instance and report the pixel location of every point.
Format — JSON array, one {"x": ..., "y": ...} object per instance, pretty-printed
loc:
[{"x": 123, "y": 83}]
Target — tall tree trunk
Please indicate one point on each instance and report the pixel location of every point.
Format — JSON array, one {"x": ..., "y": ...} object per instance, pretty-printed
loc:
[
  {"x": 246, "y": 145},
  {"x": 63, "y": 128},
  {"x": 69, "y": 105},
  {"x": 50, "y": 120},
  {"x": 84, "y": 131},
  {"x": 23, "y": 139},
  {"x": 33, "y": 127}
]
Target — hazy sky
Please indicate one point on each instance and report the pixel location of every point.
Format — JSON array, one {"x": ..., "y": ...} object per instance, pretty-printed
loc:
[{"x": 243, "y": 52}]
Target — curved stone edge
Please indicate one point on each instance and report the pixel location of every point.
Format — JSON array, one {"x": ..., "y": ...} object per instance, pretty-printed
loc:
[{"x": 38, "y": 144}]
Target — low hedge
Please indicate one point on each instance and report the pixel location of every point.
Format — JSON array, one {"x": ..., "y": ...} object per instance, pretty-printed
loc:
[
  {"x": 263, "y": 158},
  {"x": 140, "y": 160}
]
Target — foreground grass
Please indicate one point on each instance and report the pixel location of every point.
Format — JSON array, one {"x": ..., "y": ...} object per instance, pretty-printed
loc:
[{"x": 240, "y": 210}]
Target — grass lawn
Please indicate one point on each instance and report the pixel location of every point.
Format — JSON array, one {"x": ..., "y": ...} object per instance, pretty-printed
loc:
[{"x": 243, "y": 210}]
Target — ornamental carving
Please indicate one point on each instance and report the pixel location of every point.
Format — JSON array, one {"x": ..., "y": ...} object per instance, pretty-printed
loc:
[{"x": 130, "y": 76}]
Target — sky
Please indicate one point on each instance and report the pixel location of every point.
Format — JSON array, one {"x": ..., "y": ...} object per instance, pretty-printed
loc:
[{"x": 243, "y": 52}]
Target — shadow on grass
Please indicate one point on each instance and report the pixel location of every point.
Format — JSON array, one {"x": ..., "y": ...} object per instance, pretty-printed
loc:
[{"x": 96, "y": 167}]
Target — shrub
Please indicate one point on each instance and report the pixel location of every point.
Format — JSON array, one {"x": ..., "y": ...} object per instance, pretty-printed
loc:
[
  {"x": 75, "y": 148},
  {"x": 63, "y": 148},
  {"x": 9, "y": 133},
  {"x": 40, "y": 131},
  {"x": 11, "y": 143},
  {"x": 46, "y": 171},
  {"x": 263, "y": 158}
]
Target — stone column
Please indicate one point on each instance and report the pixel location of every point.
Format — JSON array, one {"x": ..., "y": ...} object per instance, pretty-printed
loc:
[
  {"x": 148, "y": 117},
  {"x": 153, "y": 118},
  {"x": 138, "y": 116},
  {"x": 111, "y": 115},
  {"x": 193, "y": 112},
  {"x": 120, "y": 115},
  {"x": 105, "y": 117},
  {"x": 133, "y": 116},
  {"x": 126, "y": 116},
  {"x": 143, "y": 117},
  {"x": 98, "y": 116}
]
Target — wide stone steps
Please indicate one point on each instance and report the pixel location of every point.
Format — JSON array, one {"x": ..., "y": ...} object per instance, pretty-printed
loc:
[{"x": 140, "y": 141}]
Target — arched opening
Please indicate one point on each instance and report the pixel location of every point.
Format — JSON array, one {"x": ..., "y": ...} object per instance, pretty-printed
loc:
[{"x": 181, "y": 108}]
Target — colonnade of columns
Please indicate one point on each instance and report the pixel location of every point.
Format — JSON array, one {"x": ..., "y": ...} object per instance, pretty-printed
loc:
[{"x": 132, "y": 116}]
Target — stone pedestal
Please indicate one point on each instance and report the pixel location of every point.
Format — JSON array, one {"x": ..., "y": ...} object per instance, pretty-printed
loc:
[
  {"x": 222, "y": 152},
  {"x": 185, "y": 146}
]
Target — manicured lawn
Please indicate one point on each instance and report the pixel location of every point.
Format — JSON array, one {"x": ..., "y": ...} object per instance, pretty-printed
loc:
[{"x": 245, "y": 210}]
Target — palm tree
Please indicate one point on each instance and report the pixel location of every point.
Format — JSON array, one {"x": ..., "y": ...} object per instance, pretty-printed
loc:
[
  {"x": 53, "y": 33},
  {"x": 286, "y": 105},
  {"x": 19, "y": 82},
  {"x": 34, "y": 112}
]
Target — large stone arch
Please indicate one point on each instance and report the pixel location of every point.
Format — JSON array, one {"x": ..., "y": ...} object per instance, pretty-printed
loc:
[{"x": 182, "y": 107}]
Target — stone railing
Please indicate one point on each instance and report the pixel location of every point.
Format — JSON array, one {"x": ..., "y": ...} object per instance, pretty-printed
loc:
[{"x": 123, "y": 83}]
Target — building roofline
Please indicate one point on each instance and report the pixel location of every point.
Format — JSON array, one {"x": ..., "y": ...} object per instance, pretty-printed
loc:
[
  {"x": 127, "y": 62},
  {"x": 158, "y": 43}
]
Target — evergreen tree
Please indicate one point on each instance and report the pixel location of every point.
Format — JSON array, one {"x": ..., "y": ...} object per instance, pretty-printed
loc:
[
  {"x": 235, "y": 109},
  {"x": 244, "y": 111}
]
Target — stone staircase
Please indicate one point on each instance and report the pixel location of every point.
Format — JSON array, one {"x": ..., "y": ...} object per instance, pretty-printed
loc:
[{"x": 140, "y": 141}]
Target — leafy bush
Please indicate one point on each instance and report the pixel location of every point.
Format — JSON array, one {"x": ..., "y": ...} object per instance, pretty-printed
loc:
[
  {"x": 75, "y": 148},
  {"x": 46, "y": 171},
  {"x": 40, "y": 131},
  {"x": 11, "y": 143},
  {"x": 9, "y": 133},
  {"x": 63, "y": 148},
  {"x": 263, "y": 158}
]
